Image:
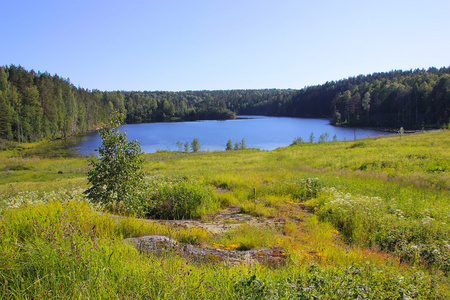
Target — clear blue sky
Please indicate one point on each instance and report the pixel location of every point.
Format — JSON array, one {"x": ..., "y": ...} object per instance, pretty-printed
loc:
[{"x": 176, "y": 45}]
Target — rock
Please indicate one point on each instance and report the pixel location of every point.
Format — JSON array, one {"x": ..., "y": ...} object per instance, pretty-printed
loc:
[{"x": 275, "y": 256}]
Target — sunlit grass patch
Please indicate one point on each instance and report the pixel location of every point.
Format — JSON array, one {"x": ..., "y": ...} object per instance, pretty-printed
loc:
[
  {"x": 259, "y": 209},
  {"x": 33, "y": 198},
  {"x": 67, "y": 244},
  {"x": 232, "y": 182},
  {"x": 226, "y": 199},
  {"x": 417, "y": 236},
  {"x": 249, "y": 237}
]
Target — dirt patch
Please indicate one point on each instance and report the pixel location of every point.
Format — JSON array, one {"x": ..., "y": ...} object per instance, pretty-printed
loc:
[
  {"x": 226, "y": 220},
  {"x": 231, "y": 217}
]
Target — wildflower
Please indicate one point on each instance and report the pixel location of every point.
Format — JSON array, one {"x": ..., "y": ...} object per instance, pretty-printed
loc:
[{"x": 427, "y": 220}]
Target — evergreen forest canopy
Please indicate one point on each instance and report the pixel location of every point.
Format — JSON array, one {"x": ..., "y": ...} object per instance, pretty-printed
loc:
[{"x": 35, "y": 106}]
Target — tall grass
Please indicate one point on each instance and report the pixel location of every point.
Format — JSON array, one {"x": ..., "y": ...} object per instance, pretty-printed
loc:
[
  {"x": 416, "y": 235},
  {"x": 177, "y": 199},
  {"x": 65, "y": 250}
]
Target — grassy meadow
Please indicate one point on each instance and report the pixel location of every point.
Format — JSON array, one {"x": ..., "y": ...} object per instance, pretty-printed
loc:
[{"x": 365, "y": 219}]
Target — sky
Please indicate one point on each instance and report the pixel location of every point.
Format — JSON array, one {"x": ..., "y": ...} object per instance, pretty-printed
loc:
[{"x": 178, "y": 45}]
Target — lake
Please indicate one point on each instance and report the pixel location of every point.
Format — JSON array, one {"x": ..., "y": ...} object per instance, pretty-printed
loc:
[{"x": 265, "y": 133}]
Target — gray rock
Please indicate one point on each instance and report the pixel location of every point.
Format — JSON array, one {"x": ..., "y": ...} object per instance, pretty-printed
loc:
[{"x": 275, "y": 256}]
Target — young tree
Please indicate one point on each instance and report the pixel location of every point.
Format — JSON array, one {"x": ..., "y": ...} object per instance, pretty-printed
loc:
[
  {"x": 186, "y": 147},
  {"x": 180, "y": 146},
  {"x": 298, "y": 140},
  {"x": 229, "y": 145},
  {"x": 116, "y": 175},
  {"x": 243, "y": 145},
  {"x": 195, "y": 145},
  {"x": 321, "y": 138}
]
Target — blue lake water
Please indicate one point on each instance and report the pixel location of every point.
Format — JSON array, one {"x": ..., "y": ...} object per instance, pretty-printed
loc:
[{"x": 265, "y": 133}]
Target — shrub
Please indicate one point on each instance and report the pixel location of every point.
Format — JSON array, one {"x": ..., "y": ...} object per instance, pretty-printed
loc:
[
  {"x": 298, "y": 140},
  {"x": 178, "y": 200}
]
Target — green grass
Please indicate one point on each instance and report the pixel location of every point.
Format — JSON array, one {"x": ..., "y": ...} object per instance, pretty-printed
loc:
[
  {"x": 380, "y": 227},
  {"x": 65, "y": 250}
]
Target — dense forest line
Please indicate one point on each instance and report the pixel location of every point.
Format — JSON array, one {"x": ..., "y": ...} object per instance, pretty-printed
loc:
[{"x": 36, "y": 106}]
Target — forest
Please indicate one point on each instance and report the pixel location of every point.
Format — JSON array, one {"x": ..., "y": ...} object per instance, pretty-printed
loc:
[{"x": 35, "y": 106}]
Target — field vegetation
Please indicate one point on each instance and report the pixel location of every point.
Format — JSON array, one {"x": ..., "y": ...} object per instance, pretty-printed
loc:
[{"x": 365, "y": 219}]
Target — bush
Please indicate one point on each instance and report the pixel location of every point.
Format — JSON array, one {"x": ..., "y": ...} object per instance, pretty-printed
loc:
[
  {"x": 178, "y": 200},
  {"x": 298, "y": 140}
]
